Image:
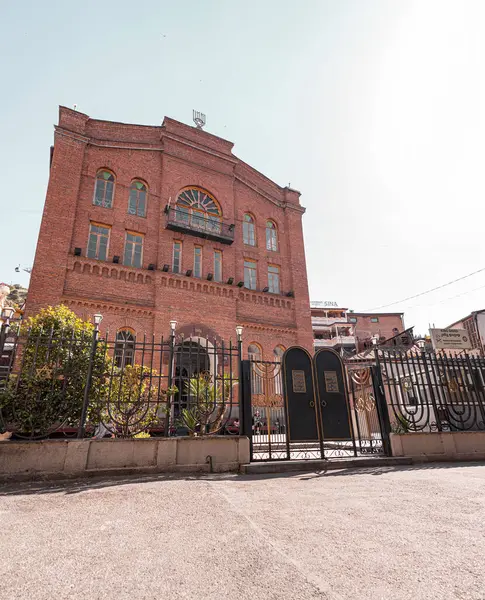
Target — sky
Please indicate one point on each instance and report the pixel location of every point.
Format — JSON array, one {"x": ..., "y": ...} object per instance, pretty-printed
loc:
[{"x": 373, "y": 109}]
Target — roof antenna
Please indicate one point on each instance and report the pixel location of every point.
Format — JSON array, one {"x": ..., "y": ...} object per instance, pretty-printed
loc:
[
  {"x": 74, "y": 107},
  {"x": 198, "y": 118}
]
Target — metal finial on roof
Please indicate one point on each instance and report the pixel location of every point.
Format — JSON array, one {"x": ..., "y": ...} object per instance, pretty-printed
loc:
[{"x": 198, "y": 118}]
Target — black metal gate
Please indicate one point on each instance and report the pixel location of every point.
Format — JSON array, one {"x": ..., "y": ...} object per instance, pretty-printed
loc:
[{"x": 313, "y": 408}]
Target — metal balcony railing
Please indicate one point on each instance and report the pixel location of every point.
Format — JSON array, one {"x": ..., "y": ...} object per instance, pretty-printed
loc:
[
  {"x": 197, "y": 224},
  {"x": 341, "y": 340}
]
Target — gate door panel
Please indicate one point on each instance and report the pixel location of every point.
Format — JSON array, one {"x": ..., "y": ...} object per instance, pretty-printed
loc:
[
  {"x": 332, "y": 395},
  {"x": 302, "y": 424}
]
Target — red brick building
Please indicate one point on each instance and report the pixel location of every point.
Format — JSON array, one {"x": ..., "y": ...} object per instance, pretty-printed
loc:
[
  {"x": 146, "y": 224},
  {"x": 337, "y": 328}
]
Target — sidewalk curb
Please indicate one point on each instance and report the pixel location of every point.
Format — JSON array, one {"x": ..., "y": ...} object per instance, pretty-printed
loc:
[{"x": 287, "y": 466}]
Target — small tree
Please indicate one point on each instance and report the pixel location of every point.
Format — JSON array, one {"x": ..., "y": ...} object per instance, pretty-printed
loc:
[
  {"x": 46, "y": 389},
  {"x": 210, "y": 403},
  {"x": 133, "y": 403}
]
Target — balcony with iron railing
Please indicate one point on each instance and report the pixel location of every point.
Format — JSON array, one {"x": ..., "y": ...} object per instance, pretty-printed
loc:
[
  {"x": 328, "y": 320},
  {"x": 211, "y": 228},
  {"x": 338, "y": 340}
]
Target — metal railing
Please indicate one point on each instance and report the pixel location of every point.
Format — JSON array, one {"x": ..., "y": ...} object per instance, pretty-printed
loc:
[
  {"x": 76, "y": 384},
  {"x": 200, "y": 225},
  {"x": 426, "y": 391},
  {"x": 334, "y": 341}
]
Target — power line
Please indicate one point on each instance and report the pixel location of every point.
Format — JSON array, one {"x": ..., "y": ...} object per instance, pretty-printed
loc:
[
  {"x": 439, "y": 287},
  {"x": 446, "y": 299}
]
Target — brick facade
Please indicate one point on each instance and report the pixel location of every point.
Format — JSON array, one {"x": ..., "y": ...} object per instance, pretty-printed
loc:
[
  {"x": 384, "y": 325},
  {"x": 168, "y": 159}
]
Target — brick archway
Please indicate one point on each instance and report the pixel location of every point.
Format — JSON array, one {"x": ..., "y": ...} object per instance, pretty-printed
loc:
[{"x": 195, "y": 330}]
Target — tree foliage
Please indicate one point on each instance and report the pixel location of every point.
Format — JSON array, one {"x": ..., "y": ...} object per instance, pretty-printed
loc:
[
  {"x": 134, "y": 401},
  {"x": 46, "y": 389},
  {"x": 17, "y": 296},
  {"x": 208, "y": 402}
]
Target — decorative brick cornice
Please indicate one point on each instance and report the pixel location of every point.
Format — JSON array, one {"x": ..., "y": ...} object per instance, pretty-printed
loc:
[
  {"x": 280, "y": 203},
  {"x": 101, "y": 269},
  {"x": 98, "y": 268},
  {"x": 273, "y": 328},
  {"x": 107, "y": 306}
]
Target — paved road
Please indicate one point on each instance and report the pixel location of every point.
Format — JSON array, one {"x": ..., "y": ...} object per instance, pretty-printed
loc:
[{"x": 396, "y": 532}]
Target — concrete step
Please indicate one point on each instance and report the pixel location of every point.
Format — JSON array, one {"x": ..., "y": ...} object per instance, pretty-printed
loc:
[{"x": 287, "y": 466}]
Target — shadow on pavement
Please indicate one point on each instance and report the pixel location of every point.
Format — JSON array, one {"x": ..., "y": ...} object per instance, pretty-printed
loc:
[{"x": 76, "y": 486}]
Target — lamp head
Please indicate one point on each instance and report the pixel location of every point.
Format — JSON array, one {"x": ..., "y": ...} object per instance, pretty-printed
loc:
[{"x": 8, "y": 312}]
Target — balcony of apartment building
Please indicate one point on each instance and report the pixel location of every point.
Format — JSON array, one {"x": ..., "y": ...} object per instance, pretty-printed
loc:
[
  {"x": 334, "y": 336},
  {"x": 328, "y": 319},
  {"x": 323, "y": 315}
]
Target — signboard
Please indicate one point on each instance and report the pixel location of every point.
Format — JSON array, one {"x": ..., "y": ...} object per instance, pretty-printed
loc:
[
  {"x": 324, "y": 304},
  {"x": 450, "y": 339},
  {"x": 331, "y": 382},
  {"x": 299, "y": 384}
]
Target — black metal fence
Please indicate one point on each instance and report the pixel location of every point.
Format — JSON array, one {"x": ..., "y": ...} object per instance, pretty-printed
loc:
[
  {"x": 267, "y": 427},
  {"x": 267, "y": 423},
  {"x": 77, "y": 384},
  {"x": 428, "y": 391}
]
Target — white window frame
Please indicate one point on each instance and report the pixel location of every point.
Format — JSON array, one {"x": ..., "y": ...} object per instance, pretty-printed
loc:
[
  {"x": 175, "y": 242},
  {"x": 96, "y": 185},
  {"x": 249, "y": 228},
  {"x": 140, "y": 235},
  {"x": 271, "y": 236},
  {"x": 255, "y": 269},
  {"x": 271, "y": 279},
  {"x": 199, "y": 275},
  {"x": 218, "y": 253},
  {"x": 91, "y": 224}
]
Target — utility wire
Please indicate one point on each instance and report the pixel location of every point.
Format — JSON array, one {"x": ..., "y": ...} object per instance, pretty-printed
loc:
[
  {"x": 439, "y": 287},
  {"x": 446, "y": 299}
]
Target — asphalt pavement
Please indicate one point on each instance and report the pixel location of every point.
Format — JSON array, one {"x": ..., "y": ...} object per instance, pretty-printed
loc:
[{"x": 385, "y": 532}]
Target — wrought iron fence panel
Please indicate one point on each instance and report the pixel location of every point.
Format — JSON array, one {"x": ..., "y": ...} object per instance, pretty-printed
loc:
[
  {"x": 268, "y": 415},
  {"x": 428, "y": 391},
  {"x": 41, "y": 392},
  {"x": 365, "y": 420},
  {"x": 66, "y": 383}
]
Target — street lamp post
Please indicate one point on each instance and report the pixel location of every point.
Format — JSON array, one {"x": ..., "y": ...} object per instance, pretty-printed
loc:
[
  {"x": 168, "y": 409},
  {"x": 97, "y": 318},
  {"x": 7, "y": 314},
  {"x": 239, "y": 332}
]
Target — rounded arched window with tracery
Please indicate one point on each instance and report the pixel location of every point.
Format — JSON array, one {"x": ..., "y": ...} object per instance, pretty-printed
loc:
[
  {"x": 198, "y": 209},
  {"x": 278, "y": 379},
  {"x": 104, "y": 189},
  {"x": 271, "y": 236},
  {"x": 255, "y": 355}
]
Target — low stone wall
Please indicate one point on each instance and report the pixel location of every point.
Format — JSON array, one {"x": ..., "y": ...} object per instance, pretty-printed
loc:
[
  {"x": 450, "y": 445},
  {"x": 57, "y": 459}
]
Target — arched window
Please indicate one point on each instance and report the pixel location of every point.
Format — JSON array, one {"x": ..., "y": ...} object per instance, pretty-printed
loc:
[
  {"x": 271, "y": 236},
  {"x": 137, "y": 203},
  {"x": 199, "y": 209},
  {"x": 255, "y": 355},
  {"x": 124, "y": 348},
  {"x": 278, "y": 357},
  {"x": 104, "y": 189},
  {"x": 278, "y": 353},
  {"x": 249, "y": 236},
  {"x": 254, "y": 351}
]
